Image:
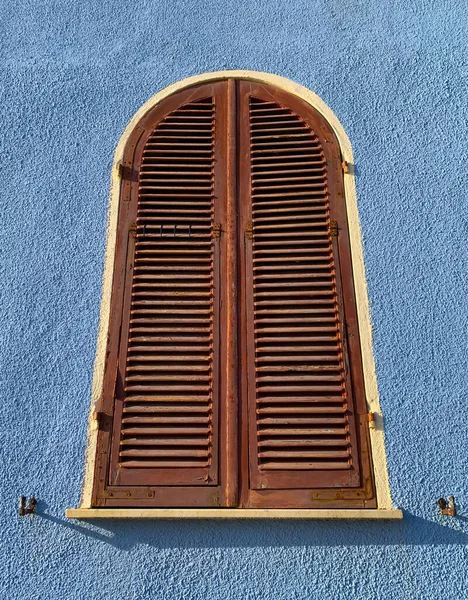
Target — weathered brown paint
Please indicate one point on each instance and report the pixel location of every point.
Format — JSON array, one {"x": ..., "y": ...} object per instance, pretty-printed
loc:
[{"x": 231, "y": 340}]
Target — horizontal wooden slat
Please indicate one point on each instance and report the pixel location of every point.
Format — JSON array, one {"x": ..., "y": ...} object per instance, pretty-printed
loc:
[
  {"x": 141, "y": 359},
  {"x": 300, "y": 443},
  {"x": 161, "y": 320},
  {"x": 166, "y": 453},
  {"x": 179, "y": 432},
  {"x": 148, "y": 389},
  {"x": 306, "y": 399},
  {"x": 184, "y": 377},
  {"x": 270, "y": 433},
  {"x": 298, "y": 339},
  {"x": 144, "y": 420},
  {"x": 170, "y": 349},
  {"x": 294, "y": 410},
  {"x": 303, "y": 454},
  {"x": 292, "y": 465},
  {"x": 163, "y": 441},
  {"x": 167, "y": 366},
  {"x": 298, "y": 368},
  {"x": 298, "y": 388},
  {"x": 158, "y": 409},
  {"x": 332, "y": 348},
  {"x": 162, "y": 396},
  {"x": 298, "y": 378},
  {"x": 315, "y": 160},
  {"x": 166, "y": 464},
  {"x": 169, "y": 338}
]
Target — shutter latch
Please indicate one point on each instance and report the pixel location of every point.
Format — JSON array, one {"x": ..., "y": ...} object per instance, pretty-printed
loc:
[
  {"x": 216, "y": 230},
  {"x": 249, "y": 231}
]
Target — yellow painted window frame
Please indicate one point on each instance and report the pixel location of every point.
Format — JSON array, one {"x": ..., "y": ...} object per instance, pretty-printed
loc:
[{"x": 384, "y": 509}]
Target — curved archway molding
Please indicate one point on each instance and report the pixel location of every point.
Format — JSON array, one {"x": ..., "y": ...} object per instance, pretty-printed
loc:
[{"x": 376, "y": 428}]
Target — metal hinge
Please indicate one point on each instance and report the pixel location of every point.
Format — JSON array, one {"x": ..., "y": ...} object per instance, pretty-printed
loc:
[
  {"x": 333, "y": 228},
  {"x": 371, "y": 419},
  {"x": 124, "y": 171},
  {"x": 216, "y": 230},
  {"x": 447, "y": 507},
  {"x": 345, "y": 166},
  {"x": 133, "y": 228},
  {"x": 249, "y": 231},
  {"x": 97, "y": 416}
]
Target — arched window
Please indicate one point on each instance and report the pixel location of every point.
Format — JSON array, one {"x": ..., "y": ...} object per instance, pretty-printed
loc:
[{"x": 233, "y": 372}]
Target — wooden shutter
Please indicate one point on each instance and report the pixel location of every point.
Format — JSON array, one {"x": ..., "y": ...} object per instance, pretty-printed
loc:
[
  {"x": 306, "y": 408},
  {"x": 233, "y": 372},
  {"x": 163, "y": 437}
]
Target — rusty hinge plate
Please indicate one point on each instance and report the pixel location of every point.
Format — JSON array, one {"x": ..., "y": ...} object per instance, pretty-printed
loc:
[
  {"x": 216, "y": 230},
  {"x": 249, "y": 231},
  {"x": 333, "y": 228},
  {"x": 345, "y": 166},
  {"x": 447, "y": 507},
  {"x": 120, "y": 493}
]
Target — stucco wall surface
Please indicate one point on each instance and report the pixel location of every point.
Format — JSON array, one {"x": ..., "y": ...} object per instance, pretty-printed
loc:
[{"x": 71, "y": 76}]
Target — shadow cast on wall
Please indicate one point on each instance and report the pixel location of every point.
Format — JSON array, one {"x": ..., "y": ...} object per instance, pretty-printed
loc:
[{"x": 186, "y": 533}]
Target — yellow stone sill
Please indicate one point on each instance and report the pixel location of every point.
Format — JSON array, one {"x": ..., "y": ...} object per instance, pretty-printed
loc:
[{"x": 231, "y": 513}]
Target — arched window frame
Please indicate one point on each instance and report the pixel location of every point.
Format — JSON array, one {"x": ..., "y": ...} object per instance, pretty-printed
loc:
[{"x": 376, "y": 434}]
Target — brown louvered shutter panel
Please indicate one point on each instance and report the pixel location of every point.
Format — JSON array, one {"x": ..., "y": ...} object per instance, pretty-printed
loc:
[
  {"x": 164, "y": 434},
  {"x": 306, "y": 410}
]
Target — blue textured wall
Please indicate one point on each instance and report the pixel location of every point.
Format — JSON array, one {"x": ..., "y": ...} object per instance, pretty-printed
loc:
[{"x": 72, "y": 75}]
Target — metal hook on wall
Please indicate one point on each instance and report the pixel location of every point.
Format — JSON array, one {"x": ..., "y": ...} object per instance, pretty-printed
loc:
[
  {"x": 447, "y": 507},
  {"x": 29, "y": 508}
]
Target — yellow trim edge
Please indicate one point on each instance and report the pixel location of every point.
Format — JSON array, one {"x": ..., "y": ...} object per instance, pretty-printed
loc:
[{"x": 230, "y": 513}]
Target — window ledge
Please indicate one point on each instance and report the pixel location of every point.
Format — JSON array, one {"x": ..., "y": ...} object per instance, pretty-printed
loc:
[{"x": 231, "y": 513}]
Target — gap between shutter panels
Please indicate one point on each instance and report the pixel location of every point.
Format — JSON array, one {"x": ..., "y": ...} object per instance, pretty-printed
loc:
[
  {"x": 167, "y": 419},
  {"x": 301, "y": 406}
]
